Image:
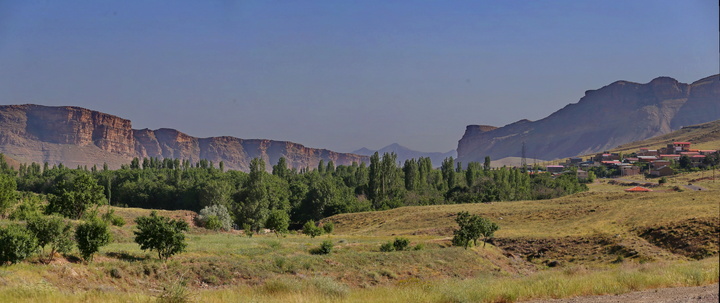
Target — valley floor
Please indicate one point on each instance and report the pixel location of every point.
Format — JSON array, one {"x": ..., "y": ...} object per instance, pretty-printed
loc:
[{"x": 604, "y": 241}]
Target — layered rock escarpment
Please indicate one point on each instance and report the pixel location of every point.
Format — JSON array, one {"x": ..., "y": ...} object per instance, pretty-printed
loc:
[
  {"x": 78, "y": 136},
  {"x": 616, "y": 114}
]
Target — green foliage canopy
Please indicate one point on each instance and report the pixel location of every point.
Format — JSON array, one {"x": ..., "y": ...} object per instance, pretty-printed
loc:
[
  {"x": 90, "y": 236},
  {"x": 161, "y": 234}
]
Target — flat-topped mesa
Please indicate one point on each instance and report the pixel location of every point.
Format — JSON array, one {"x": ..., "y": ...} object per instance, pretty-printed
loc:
[
  {"x": 479, "y": 128},
  {"x": 78, "y": 136},
  {"x": 76, "y": 126},
  {"x": 604, "y": 118}
]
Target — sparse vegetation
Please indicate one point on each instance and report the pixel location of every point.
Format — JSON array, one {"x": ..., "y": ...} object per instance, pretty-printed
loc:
[{"x": 349, "y": 267}]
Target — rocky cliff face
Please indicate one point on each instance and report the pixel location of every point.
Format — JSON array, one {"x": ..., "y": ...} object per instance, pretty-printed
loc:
[
  {"x": 619, "y": 113},
  {"x": 77, "y": 136}
]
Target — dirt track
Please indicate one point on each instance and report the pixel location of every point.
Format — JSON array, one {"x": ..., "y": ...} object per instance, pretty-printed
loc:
[{"x": 702, "y": 294}]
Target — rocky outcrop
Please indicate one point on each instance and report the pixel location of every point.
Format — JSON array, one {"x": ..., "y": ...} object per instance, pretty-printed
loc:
[
  {"x": 77, "y": 136},
  {"x": 619, "y": 113}
]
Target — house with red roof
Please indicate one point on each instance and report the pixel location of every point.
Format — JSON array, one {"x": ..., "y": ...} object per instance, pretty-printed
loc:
[{"x": 638, "y": 189}]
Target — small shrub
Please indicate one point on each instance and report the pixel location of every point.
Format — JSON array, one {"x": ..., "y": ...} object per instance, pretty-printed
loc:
[
  {"x": 31, "y": 206},
  {"x": 90, "y": 236},
  {"x": 401, "y": 244},
  {"x": 311, "y": 229},
  {"x": 278, "y": 221},
  {"x": 328, "y": 227},
  {"x": 662, "y": 180},
  {"x": 325, "y": 248},
  {"x": 387, "y": 247},
  {"x": 213, "y": 223},
  {"x": 248, "y": 230},
  {"x": 419, "y": 246},
  {"x": 115, "y": 273},
  {"x": 176, "y": 292},
  {"x": 52, "y": 231},
  {"x": 388, "y": 274},
  {"x": 215, "y": 217},
  {"x": 16, "y": 244},
  {"x": 113, "y": 219},
  {"x": 329, "y": 287},
  {"x": 162, "y": 234}
]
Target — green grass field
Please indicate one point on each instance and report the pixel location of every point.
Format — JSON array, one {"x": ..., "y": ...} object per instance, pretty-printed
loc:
[{"x": 594, "y": 238}]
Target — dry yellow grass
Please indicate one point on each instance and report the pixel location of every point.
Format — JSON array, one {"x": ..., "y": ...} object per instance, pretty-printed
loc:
[{"x": 581, "y": 214}]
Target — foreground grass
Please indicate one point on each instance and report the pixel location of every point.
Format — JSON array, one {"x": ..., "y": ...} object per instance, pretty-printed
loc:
[
  {"x": 564, "y": 283},
  {"x": 561, "y": 283}
]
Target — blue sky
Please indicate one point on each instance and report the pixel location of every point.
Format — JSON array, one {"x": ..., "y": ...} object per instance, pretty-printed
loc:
[{"x": 343, "y": 74}]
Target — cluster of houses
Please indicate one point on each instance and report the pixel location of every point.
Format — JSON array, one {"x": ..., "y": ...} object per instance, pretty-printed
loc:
[{"x": 658, "y": 161}]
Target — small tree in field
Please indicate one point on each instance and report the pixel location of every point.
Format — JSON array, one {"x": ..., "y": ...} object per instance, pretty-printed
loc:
[
  {"x": 16, "y": 244},
  {"x": 278, "y": 221},
  {"x": 472, "y": 227},
  {"x": 162, "y": 234},
  {"x": 76, "y": 197},
  {"x": 90, "y": 236},
  {"x": 52, "y": 231},
  {"x": 311, "y": 230}
]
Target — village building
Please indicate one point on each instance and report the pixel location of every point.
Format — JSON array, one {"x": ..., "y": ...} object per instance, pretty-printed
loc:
[
  {"x": 581, "y": 174},
  {"x": 647, "y": 159},
  {"x": 697, "y": 160},
  {"x": 659, "y": 163},
  {"x": 638, "y": 189},
  {"x": 555, "y": 169},
  {"x": 662, "y": 171},
  {"x": 629, "y": 170},
  {"x": 647, "y": 152}
]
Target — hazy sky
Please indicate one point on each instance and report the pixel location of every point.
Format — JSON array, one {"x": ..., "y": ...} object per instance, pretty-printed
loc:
[{"x": 343, "y": 74}]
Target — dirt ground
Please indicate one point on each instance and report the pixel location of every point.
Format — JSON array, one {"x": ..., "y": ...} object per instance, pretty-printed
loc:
[{"x": 702, "y": 294}]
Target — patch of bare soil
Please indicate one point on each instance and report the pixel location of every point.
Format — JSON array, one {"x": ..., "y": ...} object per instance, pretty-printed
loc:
[
  {"x": 700, "y": 294},
  {"x": 695, "y": 238},
  {"x": 558, "y": 251}
]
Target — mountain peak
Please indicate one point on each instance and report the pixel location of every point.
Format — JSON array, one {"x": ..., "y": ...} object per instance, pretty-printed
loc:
[{"x": 604, "y": 118}]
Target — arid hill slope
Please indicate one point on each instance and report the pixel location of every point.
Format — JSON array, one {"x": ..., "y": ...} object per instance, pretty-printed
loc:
[
  {"x": 702, "y": 136},
  {"x": 616, "y": 114},
  {"x": 78, "y": 136}
]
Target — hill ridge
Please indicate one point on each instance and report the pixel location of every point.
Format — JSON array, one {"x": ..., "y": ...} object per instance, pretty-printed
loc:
[
  {"x": 78, "y": 136},
  {"x": 615, "y": 114}
]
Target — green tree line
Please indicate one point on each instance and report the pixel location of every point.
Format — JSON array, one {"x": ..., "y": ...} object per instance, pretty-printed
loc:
[{"x": 303, "y": 194}]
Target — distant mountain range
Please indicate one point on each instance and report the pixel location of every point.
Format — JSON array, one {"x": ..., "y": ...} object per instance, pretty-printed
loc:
[
  {"x": 78, "y": 136},
  {"x": 603, "y": 119},
  {"x": 404, "y": 153}
]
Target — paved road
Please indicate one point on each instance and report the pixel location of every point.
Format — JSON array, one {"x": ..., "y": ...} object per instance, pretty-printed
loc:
[{"x": 701, "y": 294}]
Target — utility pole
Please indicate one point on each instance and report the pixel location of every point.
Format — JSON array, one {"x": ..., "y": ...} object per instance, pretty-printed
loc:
[{"x": 523, "y": 160}]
